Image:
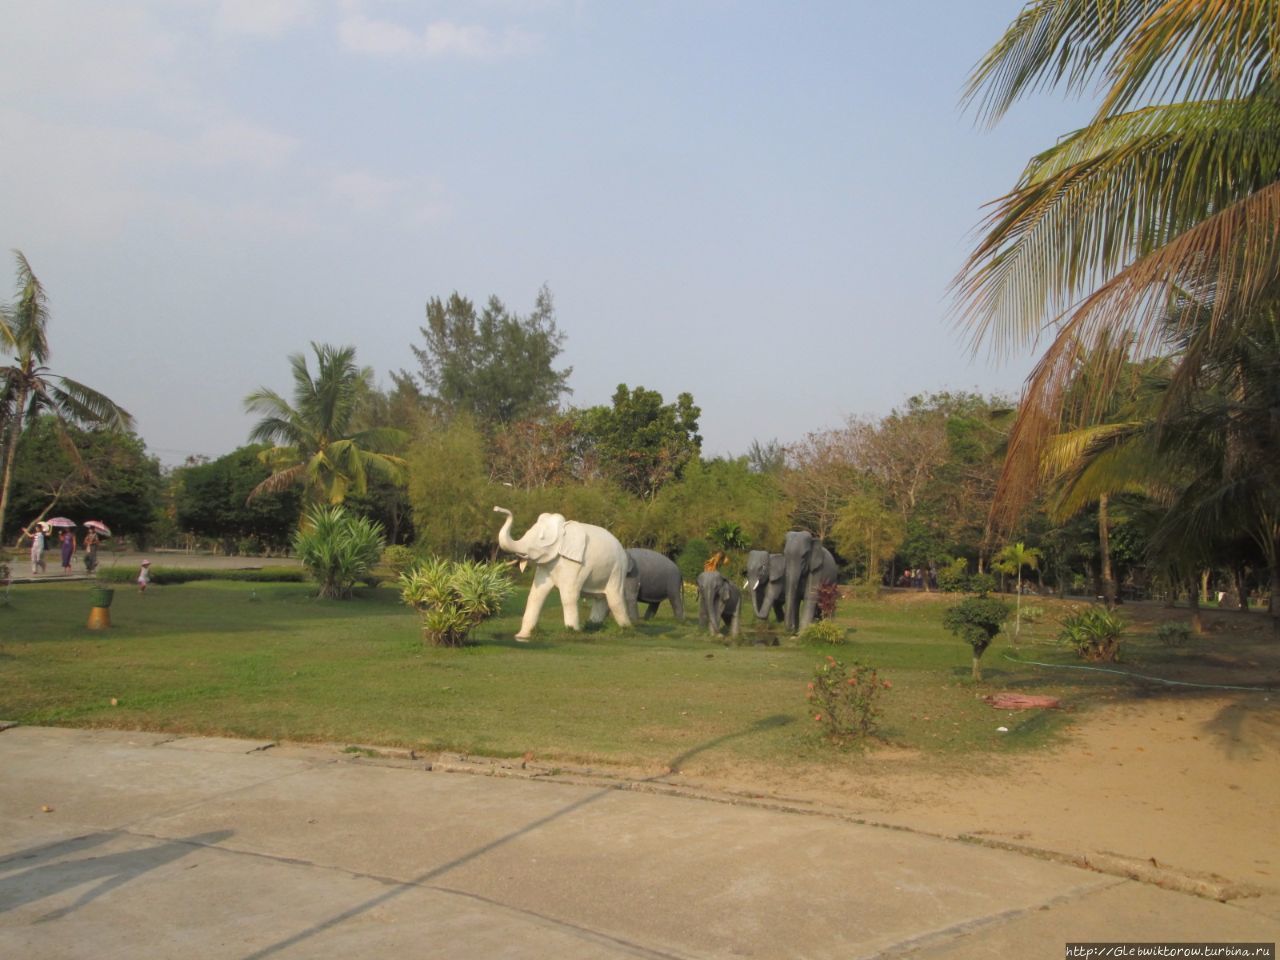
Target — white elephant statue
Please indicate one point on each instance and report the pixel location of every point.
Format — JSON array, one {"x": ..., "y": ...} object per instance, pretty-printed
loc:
[{"x": 578, "y": 559}]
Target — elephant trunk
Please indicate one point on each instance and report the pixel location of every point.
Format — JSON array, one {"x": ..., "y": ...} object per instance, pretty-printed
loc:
[
  {"x": 795, "y": 597},
  {"x": 504, "y": 534}
]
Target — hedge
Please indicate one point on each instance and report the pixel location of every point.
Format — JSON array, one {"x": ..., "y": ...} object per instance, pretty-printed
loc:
[{"x": 172, "y": 575}]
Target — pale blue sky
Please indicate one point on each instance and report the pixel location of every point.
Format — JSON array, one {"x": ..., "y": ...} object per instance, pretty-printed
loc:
[{"x": 745, "y": 200}]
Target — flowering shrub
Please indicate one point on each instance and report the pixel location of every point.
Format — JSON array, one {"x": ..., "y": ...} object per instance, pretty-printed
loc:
[
  {"x": 845, "y": 700},
  {"x": 828, "y": 594}
]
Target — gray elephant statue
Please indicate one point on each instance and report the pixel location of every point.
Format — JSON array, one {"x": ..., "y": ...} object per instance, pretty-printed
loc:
[
  {"x": 578, "y": 559},
  {"x": 808, "y": 565},
  {"x": 652, "y": 578},
  {"x": 766, "y": 584},
  {"x": 719, "y": 603}
]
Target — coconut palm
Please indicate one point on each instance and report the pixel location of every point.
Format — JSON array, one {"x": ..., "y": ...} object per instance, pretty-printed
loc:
[
  {"x": 1172, "y": 190},
  {"x": 312, "y": 440},
  {"x": 28, "y": 387},
  {"x": 1012, "y": 559}
]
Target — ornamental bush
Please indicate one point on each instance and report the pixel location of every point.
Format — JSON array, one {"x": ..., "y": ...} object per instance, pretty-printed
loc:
[
  {"x": 1094, "y": 634},
  {"x": 976, "y": 621},
  {"x": 845, "y": 700},
  {"x": 338, "y": 548},
  {"x": 453, "y": 597}
]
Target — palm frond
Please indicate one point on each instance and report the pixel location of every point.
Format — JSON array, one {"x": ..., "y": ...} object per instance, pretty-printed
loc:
[
  {"x": 84, "y": 405},
  {"x": 1051, "y": 42},
  {"x": 1104, "y": 197}
]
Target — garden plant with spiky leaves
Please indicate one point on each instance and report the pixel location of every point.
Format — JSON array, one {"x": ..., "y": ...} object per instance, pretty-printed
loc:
[
  {"x": 28, "y": 388},
  {"x": 312, "y": 440}
]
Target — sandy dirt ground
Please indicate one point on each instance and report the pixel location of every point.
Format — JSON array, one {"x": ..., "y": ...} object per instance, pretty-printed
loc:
[{"x": 1177, "y": 784}]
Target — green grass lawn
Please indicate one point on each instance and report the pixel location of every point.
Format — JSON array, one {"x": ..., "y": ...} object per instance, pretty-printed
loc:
[{"x": 269, "y": 661}]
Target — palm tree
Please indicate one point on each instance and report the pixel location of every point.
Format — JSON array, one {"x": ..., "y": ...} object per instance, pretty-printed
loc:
[
  {"x": 1012, "y": 559},
  {"x": 28, "y": 387},
  {"x": 1173, "y": 189},
  {"x": 312, "y": 441}
]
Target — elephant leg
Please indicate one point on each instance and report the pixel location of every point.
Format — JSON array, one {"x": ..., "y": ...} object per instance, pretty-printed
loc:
[
  {"x": 632, "y": 592},
  {"x": 570, "y": 594},
  {"x": 598, "y": 609},
  {"x": 538, "y": 594},
  {"x": 650, "y": 611},
  {"x": 617, "y": 605},
  {"x": 735, "y": 626},
  {"x": 677, "y": 604}
]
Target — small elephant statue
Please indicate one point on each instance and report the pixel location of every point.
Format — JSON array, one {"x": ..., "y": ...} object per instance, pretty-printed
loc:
[
  {"x": 766, "y": 584},
  {"x": 808, "y": 565},
  {"x": 578, "y": 559},
  {"x": 652, "y": 578},
  {"x": 719, "y": 603}
]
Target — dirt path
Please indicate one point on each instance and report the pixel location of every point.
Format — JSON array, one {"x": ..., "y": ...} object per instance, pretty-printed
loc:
[{"x": 1184, "y": 783}]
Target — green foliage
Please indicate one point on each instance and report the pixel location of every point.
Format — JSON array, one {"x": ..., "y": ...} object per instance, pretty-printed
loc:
[
  {"x": 693, "y": 558},
  {"x": 1173, "y": 634},
  {"x": 167, "y": 576},
  {"x": 825, "y": 633},
  {"x": 644, "y": 444},
  {"x": 495, "y": 366},
  {"x": 212, "y": 500},
  {"x": 709, "y": 492},
  {"x": 449, "y": 489},
  {"x": 846, "y": 700},
  {"x": 869, "y": 531},
  {"x": 954, "y": 576},
  {"x": 976, "y": 621},
  {"x": 97, "y": 474},
  {"x": 315, "y": 441},
  {"x": 338, "y": 549},
  {"x": 1094, "y": 634},
  {"x": 399, "y": 559},
  {"x": 452, "y": 597},
  {"x": 728, "y": 535}
]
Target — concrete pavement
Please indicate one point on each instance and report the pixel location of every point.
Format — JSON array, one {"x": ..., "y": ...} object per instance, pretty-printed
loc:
[{"x": 155, "y": 846}]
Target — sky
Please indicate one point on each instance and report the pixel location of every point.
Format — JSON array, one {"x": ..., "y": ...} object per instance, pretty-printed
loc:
[{"x": 760, "y": 202}]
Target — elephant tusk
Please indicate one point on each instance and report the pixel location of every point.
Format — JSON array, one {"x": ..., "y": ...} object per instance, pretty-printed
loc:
[{"x": 523, "y": 563}]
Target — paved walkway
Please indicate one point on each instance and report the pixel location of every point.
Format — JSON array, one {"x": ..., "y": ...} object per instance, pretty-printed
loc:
[{"x": 128, "y": 845}]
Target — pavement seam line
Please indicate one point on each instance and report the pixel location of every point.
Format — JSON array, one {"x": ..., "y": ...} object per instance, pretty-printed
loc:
[
  {"x": 961, "y": 930},
  {"x": 581, "y": 932}
]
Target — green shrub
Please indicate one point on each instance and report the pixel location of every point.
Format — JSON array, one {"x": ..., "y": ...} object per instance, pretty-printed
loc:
[
  {"x": 399, "y": 558},
  {"x": 693, "y": 558},
  {"x": 846, "y": 700},
  {"x": 1032, "y": 614},
  {"x": 976, "y": 621},
  {"x": 824, "y": 633},
  {"x": 954, "y": 577},
  {"x": 167, "y": 576},
  {"x": 338, "y": 548},
  {"x": 453, "y": 597},
  {"x": 981, "y": 583},
  {"x": 1173, "y": 634},
  {"x": 1094, "y": 634}
]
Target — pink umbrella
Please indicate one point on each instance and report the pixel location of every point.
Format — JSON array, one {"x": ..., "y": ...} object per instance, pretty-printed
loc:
[
  {"x": 99, "y": 526},
  {"x": 60, "y": 522}
]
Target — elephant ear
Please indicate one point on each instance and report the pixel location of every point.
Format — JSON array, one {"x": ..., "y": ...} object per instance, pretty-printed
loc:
[
  {"x": 544, "y": 539},
  {"x": 573, "y": 544},
  {"x": 817, "y": 553},
  {"x": 777, "y": 566}
]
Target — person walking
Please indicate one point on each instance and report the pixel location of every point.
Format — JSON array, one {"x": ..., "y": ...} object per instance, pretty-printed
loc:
[
  {"x": 144, "y": 576},
  {"x": 67, "y": 548},
  {"x": 37, "y": 547},
  {"x": 91, "y": 550}
]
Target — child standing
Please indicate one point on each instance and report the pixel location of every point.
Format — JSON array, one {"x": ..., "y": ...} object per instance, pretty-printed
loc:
[{"x": 144, "y": 576}]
